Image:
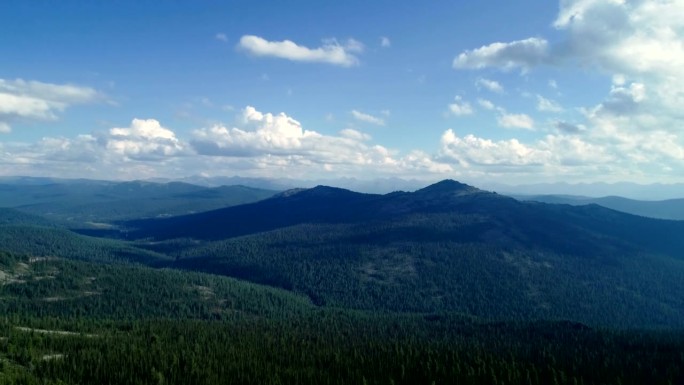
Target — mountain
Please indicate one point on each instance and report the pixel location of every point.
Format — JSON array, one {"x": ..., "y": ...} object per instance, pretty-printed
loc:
[
  {"x": 666, "y": 209},
  {"x": 446, "y": 247},
  {"x": 377, "y": 186},
  {"x": 655, "y": 191},
  {"x": 41, "y": 241},
  {"x": 527, "y": 223},
  {"x": 87, "y": 203}
]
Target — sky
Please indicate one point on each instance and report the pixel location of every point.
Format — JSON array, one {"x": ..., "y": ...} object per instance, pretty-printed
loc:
[{"x": 503, "y": 91}]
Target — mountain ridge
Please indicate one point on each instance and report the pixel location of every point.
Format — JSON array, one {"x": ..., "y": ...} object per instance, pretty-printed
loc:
[{"x": 530, "y": 223}]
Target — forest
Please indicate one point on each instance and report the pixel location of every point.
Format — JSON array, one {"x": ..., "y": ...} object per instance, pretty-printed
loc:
[
  {"x": 87, "y": 323},
  {"x": 448, "y": 285}
]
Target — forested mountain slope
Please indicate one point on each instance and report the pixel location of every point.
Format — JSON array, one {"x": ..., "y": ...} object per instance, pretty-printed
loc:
[
  {"x": 500, "y": 219},
  {"x": 447, "y": 247},
  {"x": 43, "y": 241},
  {"x": 448, "y": 284}
]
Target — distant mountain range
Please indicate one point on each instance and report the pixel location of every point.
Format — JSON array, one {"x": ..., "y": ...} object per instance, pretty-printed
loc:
[
  {"x": 665, "y": 209},
  {"x": 446, "y": 247},
  {"x": 656, "y": 191},
  {"x": 87, "y": 203},
  {"x": 539, "y": 223}
]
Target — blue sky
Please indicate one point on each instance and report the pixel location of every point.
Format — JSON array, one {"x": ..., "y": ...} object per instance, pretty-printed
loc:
[{"x": 511, "y": 92}]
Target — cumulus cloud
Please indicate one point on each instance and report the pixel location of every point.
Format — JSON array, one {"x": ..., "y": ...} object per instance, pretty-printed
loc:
[
  {"x": 507, "y": 120},
  {"x": 363, "y": 117},
  {"x": 145, "y": 149},
  {"x": 623, "y": 99},
  {"x": 567, "y": 127},
  {"x": 331, "y": 52},
  {"x": 486, "y": 104},
  {"x": 355, "y": 135},
  {"x": 491, "y": 85},
  {"x": 263, "y": 145},
  {"x": 634, "y": 132},
  {"x": 385, "y": 42},
  {"x": 521, "y": 53},
  {"x": 33, "y": 100},
  {"x": 266, "y": 134},
  {"x": 272, "y": 142},
  {"x": 550, "y": 157},
  {"x": 547, "y": 105},
  {"x": 270, "y": 133},
  {"x": 632, "y": 37},
  {"x": 144, "y": 140},
  {"x": 460, "y": 107},
  {"x": 473, "y": 151}
]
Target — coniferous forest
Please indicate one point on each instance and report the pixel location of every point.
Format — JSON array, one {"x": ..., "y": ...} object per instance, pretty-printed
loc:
[{"x": 447, "y": 285}]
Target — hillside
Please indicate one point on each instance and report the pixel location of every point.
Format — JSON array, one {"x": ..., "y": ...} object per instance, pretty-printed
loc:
[
  {"x": 448, "y": 284},
  {"x": 447, "y": 247},
  {"x": 503, "y": 220},
  {"x": 43, "y": 241},
  {"x": 666, "y": 209},
  {"x": 75, "y": 322}
]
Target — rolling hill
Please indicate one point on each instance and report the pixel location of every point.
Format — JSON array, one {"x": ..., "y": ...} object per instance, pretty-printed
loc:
[{"x": 447, "y": 247}]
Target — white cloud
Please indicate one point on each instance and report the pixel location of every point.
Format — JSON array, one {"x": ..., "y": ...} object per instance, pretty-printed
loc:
[
  {"x": 521, "y": 53},
  {"x": 263, "y": 134},
  {"x": 634, "y": 132},
  {"x": 32, "y": 100},
  {"x": 351, "y": 45},
  {"x": 491, "y": 85},
  {"x": 623, "y": 99},
  {"x": 221, "y": 37},
  {"x": 330, "y": 52},
  {"x": 363, "y": 117},
  {"x": 144, "y": 140},
  {"x": 553, "y": 157},
  {"x": 5, "y": 128},
  {"x": 486, "y": 104},
  {"x": 460, "y": 107},
  {"x": 385, "y": 42},
  {"x": 355, "y": 135},
  {"x": 269, "y": 143},
  {"x": 516, "y": 121},
  {"x": 473, "y": 151},
  {"x": 547, "y": 105}
]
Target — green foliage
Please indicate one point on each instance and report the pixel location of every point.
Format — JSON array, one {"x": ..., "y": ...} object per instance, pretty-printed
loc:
[
  {"x": 424, "y": 263},
  {"x": 445, "y": 285},
  {"x": 51, "y": 241},
  {"x": 66, "y": 322},
  {"x": 342, "y": 348},
  {"x": 58, "y": 288}
]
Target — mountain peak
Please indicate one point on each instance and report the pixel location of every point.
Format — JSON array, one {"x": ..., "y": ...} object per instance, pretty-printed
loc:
[
  {"x": 448, "y": 186},
  {"x": 320, "y": 192}
]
